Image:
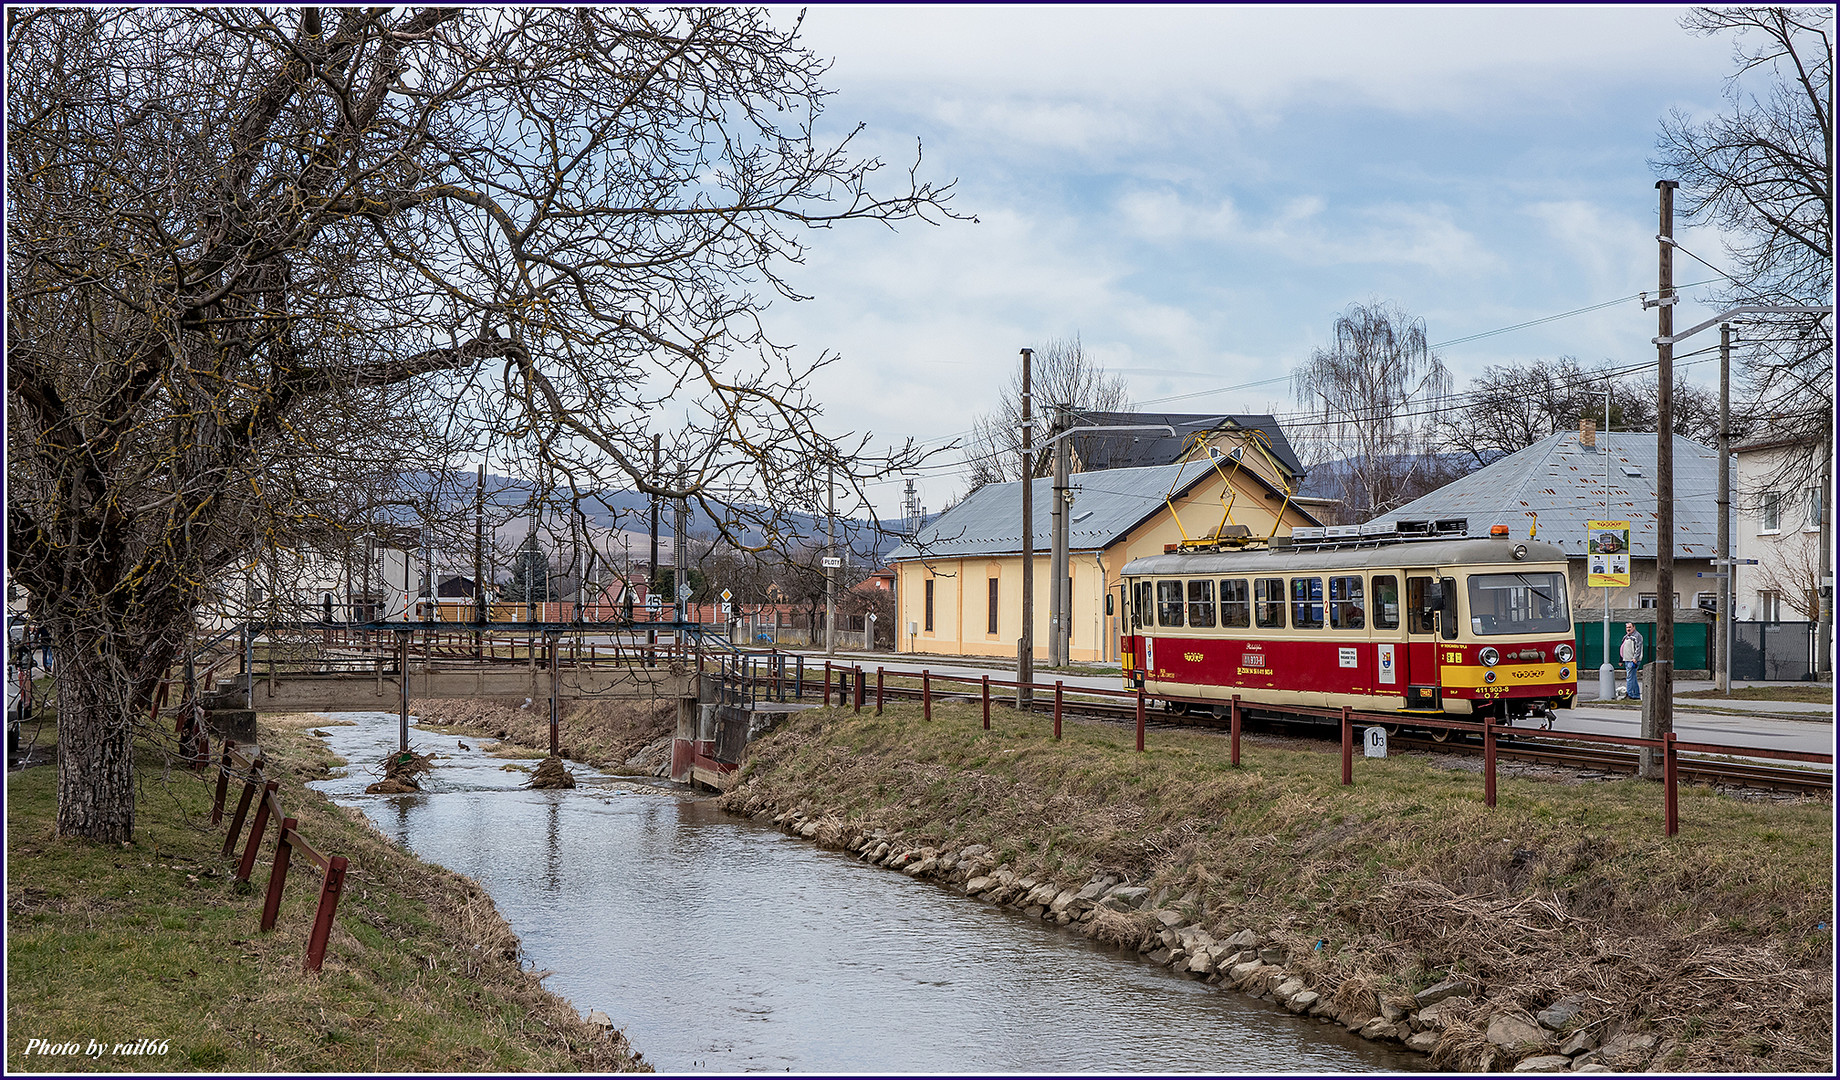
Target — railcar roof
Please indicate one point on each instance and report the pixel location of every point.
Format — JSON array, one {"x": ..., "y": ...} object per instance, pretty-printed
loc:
[{"x": 1405, "y": 554}]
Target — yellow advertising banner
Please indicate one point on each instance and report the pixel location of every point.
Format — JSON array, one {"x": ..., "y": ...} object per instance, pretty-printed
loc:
[{"x": 1609, "y": 554}]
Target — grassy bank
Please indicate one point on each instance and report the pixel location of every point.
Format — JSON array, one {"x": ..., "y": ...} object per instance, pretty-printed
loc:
[
  {"x": 1814, "y": 693},
  {"x": 1717, "y": 942},
  {"x": 153, "y": 941},
  {"x": 606, "y": 733}
]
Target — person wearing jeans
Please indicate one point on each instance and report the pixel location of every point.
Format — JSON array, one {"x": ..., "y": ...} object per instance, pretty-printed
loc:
[{"x": 1632, "y": 659}]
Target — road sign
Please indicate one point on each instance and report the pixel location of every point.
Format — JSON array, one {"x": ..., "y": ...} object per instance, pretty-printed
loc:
[
  {"x": 683, "y": 591},
  {"x": 1609, "y": 554},
  {"x": 727, "y": 596},
  {"x": 832, "y": 563},
  {"x": 1734, "y": 562},
  {"x": 1374, "y": 742},
  {"x": 652, "y": 603},
  {"x": 726, "y": 611},
  {"x": 1704, "y": 574}
]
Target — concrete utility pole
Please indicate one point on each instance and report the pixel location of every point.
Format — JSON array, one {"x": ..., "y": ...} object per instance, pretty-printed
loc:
[
  {"x": 1606, "y": 673},
  {"x": 1057, "y": 562},
  {"x": 480, "y": 614},
  {"x": 1661, "y": 713},
  {"x": 1723, "y": 564},
  {"x": 830, "y": 560},
  {"x": 1025, "y": 645},
  {"x": 680, "y": 555}
]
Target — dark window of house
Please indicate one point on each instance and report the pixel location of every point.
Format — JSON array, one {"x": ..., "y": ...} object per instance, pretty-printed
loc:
[
  {"x": 1235, "y": 603},
  {"x": 929, "y": 604},
  {"x": 1268, "y": 597},
  {"x": 993, "y": 605},
  {"x": 1347, "y": 603},
  {"x": 1169, "y": 603},
  {"x": 1386, "y": 602},
  {"x": 1306, "y": 603}
]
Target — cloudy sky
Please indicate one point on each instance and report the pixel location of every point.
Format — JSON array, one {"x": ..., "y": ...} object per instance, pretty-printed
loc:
[{"x": 1198, "y": 191}]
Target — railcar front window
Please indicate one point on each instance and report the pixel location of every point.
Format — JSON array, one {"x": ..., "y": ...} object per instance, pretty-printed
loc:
[
  {"x": 1201, "y": 603},
  {"x": 1307, "y": 603},
  {"x": 1531, "y": 603},
  {"x": 1169, "y": 603},
  {"x": 1235, "y": 603}
]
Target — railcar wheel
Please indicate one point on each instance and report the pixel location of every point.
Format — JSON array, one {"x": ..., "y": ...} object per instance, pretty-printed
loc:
[{"x": 1440, "y": 734}]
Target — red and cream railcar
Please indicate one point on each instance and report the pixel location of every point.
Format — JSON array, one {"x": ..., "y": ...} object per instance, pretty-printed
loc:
[{"x": 1426, "y": 620}]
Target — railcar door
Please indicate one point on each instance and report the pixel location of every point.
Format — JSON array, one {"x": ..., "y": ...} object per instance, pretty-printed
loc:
[{"x": 1421, "y": 660}]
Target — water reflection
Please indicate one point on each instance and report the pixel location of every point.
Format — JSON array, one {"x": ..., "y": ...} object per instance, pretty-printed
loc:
[{"x": 723, "y": 945}]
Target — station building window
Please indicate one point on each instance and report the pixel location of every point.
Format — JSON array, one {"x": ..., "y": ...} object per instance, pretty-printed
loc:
[
  {"x": 929, "y": 605},
  {"x": 993, "y": 606}
]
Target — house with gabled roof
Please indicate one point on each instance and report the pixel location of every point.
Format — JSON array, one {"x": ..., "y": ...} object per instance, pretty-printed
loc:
[{"x": 959, "y": 579}]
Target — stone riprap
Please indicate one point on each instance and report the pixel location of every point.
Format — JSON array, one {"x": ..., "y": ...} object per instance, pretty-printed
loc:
[{"x": 1454, "y": 1021}]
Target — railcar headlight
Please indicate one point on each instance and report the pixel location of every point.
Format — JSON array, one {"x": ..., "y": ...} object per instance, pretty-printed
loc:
[
  {"x": 1564, "y": 653},
  {"x": 1489, "y": 657},
  {"x": 1520, "y": 551}
]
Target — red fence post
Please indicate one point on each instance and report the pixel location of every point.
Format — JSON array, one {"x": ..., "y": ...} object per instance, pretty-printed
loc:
[
  {"x": 1140, "y": 719},
  {"x": 328, "y": 905},
  {"x": 1488, "y": 759},
  {"x": 255, "y": 832},
  {"x": 926, "y": 694},
  {"x": 1233, "y": 726},
  {"x": 1347, "y": 749},
  {"x": 242, "y": 809},
  {"x": 827, "y": 685},
  {"x": 1057, "y": 710},
  {"x": 878, "y": 690},
  {"x": 1671, "y": 776},
  {"x": 856, "y": 688},
  {"x": 277, "y": 875},
  {"x": 986, "y": 703},
  {"x": 223, "y": 783}
]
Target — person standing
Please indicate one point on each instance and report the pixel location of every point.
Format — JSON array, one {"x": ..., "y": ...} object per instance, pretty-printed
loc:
[{"x": 1632, "y": 659}]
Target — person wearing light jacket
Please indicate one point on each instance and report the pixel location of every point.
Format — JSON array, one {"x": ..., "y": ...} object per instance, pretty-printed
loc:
[{"x": 1632, "y": 659}]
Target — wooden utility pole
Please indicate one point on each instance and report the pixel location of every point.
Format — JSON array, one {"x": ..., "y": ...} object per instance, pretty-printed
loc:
[
  {"x": 1660, "y": 715},
  {"x": 1724, "y": 565},
  {"x": 1025, "y": 645},
  {"x": 1057, "y": 562}
]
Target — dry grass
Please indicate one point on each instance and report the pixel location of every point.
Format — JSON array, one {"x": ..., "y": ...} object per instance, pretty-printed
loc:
[
  {"x": 1719, "y": 938},
  {"x": 592, "y": 731},
  {"x": 154, "y": 940}
]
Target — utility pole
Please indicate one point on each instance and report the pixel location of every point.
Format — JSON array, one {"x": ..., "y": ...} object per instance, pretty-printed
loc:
[
  {"x": 1606, "y": 674},
  {"x": 1025, "y": 645},
  {"x": 1057, "y": 561},
  {"x": 830, "y": 559},
  {"x": 1661, "y": 710},
  {"x": 1724, "y": 565}
]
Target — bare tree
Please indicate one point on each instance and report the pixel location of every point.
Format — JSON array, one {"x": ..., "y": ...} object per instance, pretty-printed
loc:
[
  {"x": 1372, "y": 399},
  {"x": 1510, "y": 407},
  {"x": 264, "y": 263},
  {"x": 1764, "y": 173},
  {"x": 1062, "y": 374}
]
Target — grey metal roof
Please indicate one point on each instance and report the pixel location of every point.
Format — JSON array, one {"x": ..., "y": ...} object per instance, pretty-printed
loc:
[
  {"x": 1107, "y": 504},
  {"x": 1142, "y": 448},
  {"x": 1564, "y": 484}
]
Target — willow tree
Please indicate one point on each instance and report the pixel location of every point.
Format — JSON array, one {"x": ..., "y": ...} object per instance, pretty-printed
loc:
[
  {"x": 263, "y": 264},
  {"x": 1371, "y": 400}
]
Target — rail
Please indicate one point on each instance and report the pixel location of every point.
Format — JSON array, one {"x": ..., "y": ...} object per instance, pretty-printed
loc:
[
  {"x": 851, "y": 681},
  {"x": 259, "y": 790}
]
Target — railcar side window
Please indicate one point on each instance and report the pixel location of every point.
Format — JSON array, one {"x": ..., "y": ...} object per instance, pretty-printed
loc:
[
  {"x": 1169, "y": 603},
  {"x": 1386, "y": 602},
  {"x": 1268, "y": 592},
  {"x": 1306, "y": 603},
  {"x": 1347, "y": 603},
  {"x": 1235, "y": 603},
  {"x": 1518, "y": 604},
  {"x": 1140, "y": 602},
  {"x": 1201, "y": 603}
]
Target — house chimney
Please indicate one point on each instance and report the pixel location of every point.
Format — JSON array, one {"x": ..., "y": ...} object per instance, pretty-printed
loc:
[{"x": 1587, "y": 432}]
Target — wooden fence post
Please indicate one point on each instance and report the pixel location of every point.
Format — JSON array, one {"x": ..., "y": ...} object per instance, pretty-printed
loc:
[
  {"x": 926, "y": 694},
  {"x": 256, "y": 828},
  {"x": 1488, "y": 759},
  {"x": 1670, "y": 769},
  {"x": 1140, "y": 719},
  {"x": 242, "y": 807},
  {"x": 986, "y": 703},
  {"x": 1233, "y": 726},
  {"x": 878, "y": 690},
  {"x": 1057, "y": 710},
  {"x": 223, "y": 784},
  {"x": 1347, "y": 749}
]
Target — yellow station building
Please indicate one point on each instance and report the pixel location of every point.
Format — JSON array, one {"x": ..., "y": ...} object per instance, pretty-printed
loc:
[{"x": 959, "y": 580}]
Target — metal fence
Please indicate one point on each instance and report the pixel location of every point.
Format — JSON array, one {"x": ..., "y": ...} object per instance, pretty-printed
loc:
[{"x": 1777, "y": 651}]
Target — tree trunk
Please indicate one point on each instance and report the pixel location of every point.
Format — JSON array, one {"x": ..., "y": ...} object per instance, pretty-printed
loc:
[{"x": 95, "y": 758}]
